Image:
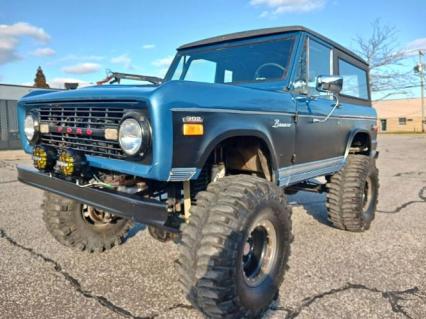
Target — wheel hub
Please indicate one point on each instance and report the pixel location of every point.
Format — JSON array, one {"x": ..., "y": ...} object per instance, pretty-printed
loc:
[
  {"x": 259, "y": 252},
  {"x": 96, "y": 217}
]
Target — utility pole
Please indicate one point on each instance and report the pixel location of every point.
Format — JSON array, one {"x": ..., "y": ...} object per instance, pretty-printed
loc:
[
  {"x": 420, "y": 68},
  {"x": 421, "y": 74}
]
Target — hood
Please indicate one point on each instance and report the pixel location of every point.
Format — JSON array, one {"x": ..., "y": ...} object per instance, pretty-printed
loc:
[
  {"x": 93, "y": 93},
  {"x": 169, "y": 95}
]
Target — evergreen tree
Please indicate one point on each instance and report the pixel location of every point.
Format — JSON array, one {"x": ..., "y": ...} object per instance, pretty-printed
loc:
[{"x": 40, "y": 79}]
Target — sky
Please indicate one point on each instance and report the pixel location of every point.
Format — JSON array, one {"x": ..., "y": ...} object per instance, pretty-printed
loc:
[{"x": 78, "y": 40}]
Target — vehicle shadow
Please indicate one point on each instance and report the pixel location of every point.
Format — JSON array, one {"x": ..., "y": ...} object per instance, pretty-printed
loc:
[
  {"x": 134, "y": 230},
  {"x": 313, "y": 204}
]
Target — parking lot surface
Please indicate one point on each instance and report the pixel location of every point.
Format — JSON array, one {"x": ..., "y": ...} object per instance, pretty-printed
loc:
[{"x": 333, "y": 274}]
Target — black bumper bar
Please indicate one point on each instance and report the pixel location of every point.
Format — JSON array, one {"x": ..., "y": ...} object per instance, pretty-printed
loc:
[{"x": 141, "y": 210}]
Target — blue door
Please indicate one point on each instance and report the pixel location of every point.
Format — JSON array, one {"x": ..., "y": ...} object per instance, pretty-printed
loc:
[{"x": 316, "y": 138}]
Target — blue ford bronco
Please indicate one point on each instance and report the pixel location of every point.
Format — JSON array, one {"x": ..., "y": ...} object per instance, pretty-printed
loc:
[{"x": 206, "y": 156}]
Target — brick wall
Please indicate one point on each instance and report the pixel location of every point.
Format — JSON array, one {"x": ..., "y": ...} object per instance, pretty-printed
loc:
[
  {"x": 403, "y": 115},
  {"x": 400, "y": 124}
]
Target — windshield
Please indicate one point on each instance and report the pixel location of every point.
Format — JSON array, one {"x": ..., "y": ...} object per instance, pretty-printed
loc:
[{"x": 253, "y": 62}]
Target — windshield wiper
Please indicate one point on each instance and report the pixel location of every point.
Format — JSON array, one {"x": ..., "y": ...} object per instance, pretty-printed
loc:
[{"x": 116, "y": 77}]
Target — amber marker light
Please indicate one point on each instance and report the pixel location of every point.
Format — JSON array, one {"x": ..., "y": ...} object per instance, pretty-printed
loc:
[{"x": 193, "y": 129}]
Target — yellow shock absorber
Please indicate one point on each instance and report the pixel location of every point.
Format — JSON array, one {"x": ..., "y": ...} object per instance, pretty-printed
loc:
[{"x": 187, "y": 199}]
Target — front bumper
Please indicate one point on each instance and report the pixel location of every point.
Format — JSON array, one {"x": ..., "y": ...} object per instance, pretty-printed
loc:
[{"x": 141, "y": 210}]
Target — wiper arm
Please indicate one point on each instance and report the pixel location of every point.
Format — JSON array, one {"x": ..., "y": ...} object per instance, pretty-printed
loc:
[{"x": 116, "y": 77}]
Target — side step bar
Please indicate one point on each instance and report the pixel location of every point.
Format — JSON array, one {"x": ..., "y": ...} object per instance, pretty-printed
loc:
[{"x": 141, "y": 210}]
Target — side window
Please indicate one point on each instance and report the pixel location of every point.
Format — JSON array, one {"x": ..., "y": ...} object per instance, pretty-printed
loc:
[
  {"x": 402, "y": 121},
  {"x": 202, "y": 71},
  {"x": 319, "y": 64},
  {"x": 354, "y": 80},
  {"x": 301, "y": 76},
  {"x": 314, "y": 60}
]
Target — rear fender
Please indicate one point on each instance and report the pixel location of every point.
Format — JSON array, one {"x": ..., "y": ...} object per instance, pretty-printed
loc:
[{"x": 352, "y": 134}]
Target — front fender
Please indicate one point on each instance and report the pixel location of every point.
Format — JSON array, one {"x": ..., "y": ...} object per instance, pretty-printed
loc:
[{"x": 219, "y": 126}]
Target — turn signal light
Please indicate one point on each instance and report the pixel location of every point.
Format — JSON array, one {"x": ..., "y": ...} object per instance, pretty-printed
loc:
[
  {"x": 192, "y": 129},
  {"x": 44, "y": 157},
  {"x": 70, "y": 163}
]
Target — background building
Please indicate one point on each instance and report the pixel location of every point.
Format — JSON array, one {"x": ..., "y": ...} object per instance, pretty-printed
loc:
[
  {"x": 9, "y": 96},
  {"x": 402, "y": 115}
]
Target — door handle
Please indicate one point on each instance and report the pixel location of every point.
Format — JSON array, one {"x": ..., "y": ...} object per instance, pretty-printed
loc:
[{"x": 305, "y": 99}]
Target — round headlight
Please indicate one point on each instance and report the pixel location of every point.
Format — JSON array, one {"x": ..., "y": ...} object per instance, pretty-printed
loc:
[
  {"x": 130, "y": 136},
  {"x": 30, "y": 127}
]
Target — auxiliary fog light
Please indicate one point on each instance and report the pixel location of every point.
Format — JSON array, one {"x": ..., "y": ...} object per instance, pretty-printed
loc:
[
  {"x": 70, "y": 163},
  {"x": 44, "y": 158}
]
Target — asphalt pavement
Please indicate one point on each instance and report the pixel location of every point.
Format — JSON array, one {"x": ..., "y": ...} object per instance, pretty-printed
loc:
[{"x": 333, "y": 274}]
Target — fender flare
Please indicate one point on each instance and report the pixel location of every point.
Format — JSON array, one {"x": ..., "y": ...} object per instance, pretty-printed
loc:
[
  {"x": 206, "y": 150},
  {"x": 351, "y": 137}
]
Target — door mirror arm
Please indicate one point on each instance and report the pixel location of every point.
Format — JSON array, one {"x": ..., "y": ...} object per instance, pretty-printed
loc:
[
  {"x": 329, "y": 84},
  {"x": 334, "y": 107}
]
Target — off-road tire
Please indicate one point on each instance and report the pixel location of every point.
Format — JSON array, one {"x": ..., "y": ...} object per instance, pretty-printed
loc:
[
  {"x": 345, "y": 194},
  {"x": 161, "y": 235},
  {"x": 65, "y": 222},
  {"x": 210, "y": 264}
]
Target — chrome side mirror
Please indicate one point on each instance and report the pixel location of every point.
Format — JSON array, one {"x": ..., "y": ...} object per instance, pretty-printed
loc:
[{"x": 330, "y": 84}]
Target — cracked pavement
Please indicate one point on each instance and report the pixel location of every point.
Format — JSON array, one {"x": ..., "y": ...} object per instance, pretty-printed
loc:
[{"x": 333, "y": 274}]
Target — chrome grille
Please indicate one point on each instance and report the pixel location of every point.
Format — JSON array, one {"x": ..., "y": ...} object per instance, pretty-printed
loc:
[
  {"x": 94, "y": 118},
  {"x": 83, "y": 117}
]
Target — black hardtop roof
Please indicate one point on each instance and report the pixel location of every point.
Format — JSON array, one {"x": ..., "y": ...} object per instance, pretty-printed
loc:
[{"x": 264, "y": 32}]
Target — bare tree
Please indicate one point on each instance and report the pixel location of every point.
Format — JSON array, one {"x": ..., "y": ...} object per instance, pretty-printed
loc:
[{"x": 382, "y": 52}]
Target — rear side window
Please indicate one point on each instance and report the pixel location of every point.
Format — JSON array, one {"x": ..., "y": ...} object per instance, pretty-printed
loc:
[{"x": 354, "y": 80}]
